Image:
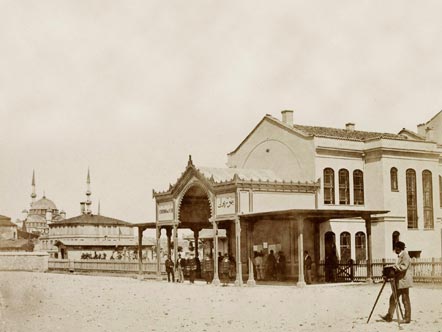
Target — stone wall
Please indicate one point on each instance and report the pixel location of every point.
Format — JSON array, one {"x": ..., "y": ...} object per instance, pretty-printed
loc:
[{"x": 24, "y": 261}]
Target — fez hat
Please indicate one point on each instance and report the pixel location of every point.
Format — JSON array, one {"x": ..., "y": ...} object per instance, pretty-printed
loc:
[{"x": 399, "y": 245}]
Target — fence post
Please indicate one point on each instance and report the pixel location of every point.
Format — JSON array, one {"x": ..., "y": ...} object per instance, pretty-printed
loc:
[
  {"x": 71, "y": 265},
  {"x": 433, "y": 268}
]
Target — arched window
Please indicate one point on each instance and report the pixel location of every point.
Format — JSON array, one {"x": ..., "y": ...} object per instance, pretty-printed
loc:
[
  {"x": 358, "y": 187},
  {"x": 427, "y": 186},
  {"x": 393, "y": 179},
  {"x": 344, "y": 187},
  {"x": 329, "y": 186},
  {"x": 361, "y": 254},
  {"x": 345, "y": 246},
  {"x": 395, "y": 238},
  {"x": 411, "y": 198}
]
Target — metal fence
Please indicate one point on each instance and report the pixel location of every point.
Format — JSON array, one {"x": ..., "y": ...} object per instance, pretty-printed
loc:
[
  {"x": 99, "y": 265},
  {"x": 424, "y": 270}
]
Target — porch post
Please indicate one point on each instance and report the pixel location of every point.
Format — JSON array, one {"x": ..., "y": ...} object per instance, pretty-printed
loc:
[
  {"x": 369, "y": 246},
  {"x": 169, "y": 240},
  {"x": 140, "y": 251},
  {"x": 215, "y": 281},
  {"x": 175, "y": 247},
  {"x": 238, "y": 281},
  {"x": 251, "y": 280},
  {"x": 158, "y": 254},
  {"x": 196, "y": 234},
  {"x": 301, "y": 279}
]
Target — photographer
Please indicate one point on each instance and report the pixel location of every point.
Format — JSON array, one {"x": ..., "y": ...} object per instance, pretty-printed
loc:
[{"x": 403, "y": 278}]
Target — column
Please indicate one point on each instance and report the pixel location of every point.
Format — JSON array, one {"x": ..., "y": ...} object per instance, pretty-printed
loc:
[
  {"x": 216, "y": 281},
  {"x": 196, "y": 233},
  {"x": 175, "y": 246},
  {"x": 292, "y": 247},
  {"x": 369, "y": 246},
  {"x": 169, "y": 240},
  {"x": 140, "y": 251},
  {"x": 238, "y": 281},
  {"x": 158, "y": 254},
  {"x": 251, "y": 280},
  {"x": 301, "y": 279}
]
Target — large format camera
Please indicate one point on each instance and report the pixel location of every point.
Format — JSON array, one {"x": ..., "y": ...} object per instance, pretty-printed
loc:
[{"x": 388, "y": 272}]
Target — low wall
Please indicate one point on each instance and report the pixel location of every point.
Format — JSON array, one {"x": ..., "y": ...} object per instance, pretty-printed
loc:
[{"x": 24, "y": 261}]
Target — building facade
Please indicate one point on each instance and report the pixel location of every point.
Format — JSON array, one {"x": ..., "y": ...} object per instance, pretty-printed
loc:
[{"x": 291, "y": 187}]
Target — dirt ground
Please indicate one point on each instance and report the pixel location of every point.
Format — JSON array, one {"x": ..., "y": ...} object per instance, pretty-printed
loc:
[{"x": 61, "y": 302}]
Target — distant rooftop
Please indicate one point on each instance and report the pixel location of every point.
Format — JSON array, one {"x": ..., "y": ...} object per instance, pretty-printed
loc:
[
  {"x": 91, "y": 219},
  {"x": 355, "y": 135}
]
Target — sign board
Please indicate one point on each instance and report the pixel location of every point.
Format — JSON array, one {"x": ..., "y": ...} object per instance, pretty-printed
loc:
[
  {"x": 225, "y": 204},
  {"x": 165, "y": 211}
]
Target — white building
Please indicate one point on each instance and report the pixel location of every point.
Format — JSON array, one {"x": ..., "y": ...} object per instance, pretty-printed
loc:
[
  {"x": 400, "y": 173},
  {"x": 290, "y": 187}
]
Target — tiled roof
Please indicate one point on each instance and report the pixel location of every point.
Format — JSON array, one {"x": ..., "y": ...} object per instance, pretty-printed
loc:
[
  {"x": 91, "y": 219},
  {"x": 6, "y": 221},
  {"x": 354, "y": 135},
  {"x": 16, "y": 245}
]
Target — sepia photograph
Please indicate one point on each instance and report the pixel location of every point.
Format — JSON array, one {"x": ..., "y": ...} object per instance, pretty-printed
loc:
[{"x": 206, "y": 166}]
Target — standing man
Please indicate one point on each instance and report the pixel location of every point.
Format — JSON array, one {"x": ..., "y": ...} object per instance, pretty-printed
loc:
[
  {"x": 180, "y": 265},
  {"x": 191, "y": 264},
  {"x": 169, "y": 269},
  {"x": 403, "y": 281},
  {"x": 307, "y": 268}
]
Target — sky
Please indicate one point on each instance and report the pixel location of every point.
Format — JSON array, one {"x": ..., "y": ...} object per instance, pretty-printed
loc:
[{"x": 130, "y": 89}]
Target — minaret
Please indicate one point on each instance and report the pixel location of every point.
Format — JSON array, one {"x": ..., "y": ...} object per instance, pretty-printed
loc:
[
  {"x": 88, "y": 193},
  {"x": 33, "y": 195}
]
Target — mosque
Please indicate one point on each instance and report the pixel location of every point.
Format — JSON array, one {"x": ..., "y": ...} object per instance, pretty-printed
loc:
[{"x": 42, "y": 212}]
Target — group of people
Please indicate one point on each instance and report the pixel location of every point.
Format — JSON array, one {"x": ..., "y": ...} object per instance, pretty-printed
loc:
[
  {"x": 182, "y": 266},
  {"x": 270, "y": 266},
  {"x": 190, "y": 267}
]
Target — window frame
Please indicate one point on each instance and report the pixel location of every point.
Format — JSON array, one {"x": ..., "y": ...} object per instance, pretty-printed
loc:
[
  {"x": 427, "y": 197},
  {"x": 358, "y": 187},
  {"x": 411, "y": 197},
  {"x": 329, "y": 186},
  {"x": 394, "y": 186},
  {"x": 360, "y": 246},
  {"x": 344, "y": 186}
]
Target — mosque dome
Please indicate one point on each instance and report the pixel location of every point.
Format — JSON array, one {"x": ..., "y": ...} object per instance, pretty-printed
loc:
[{"x": 43, "y": 204}]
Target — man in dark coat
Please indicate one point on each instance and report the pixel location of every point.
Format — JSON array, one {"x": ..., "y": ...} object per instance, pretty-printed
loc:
[
  {"x": 308, "y": 268},
  {"x": 192, "y": 266},
  {"x": 169, "y": 269},
  {"x": 271, "y": 266},
  {"x": 403, "y": 281},
  {"x": 208, "y": 268}
]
